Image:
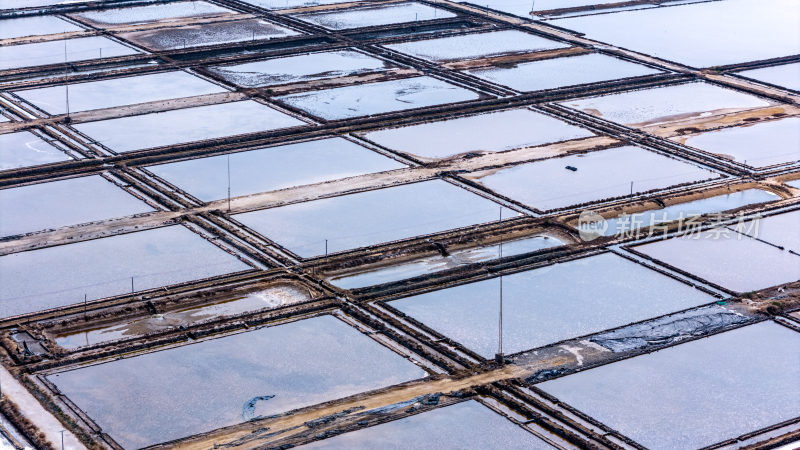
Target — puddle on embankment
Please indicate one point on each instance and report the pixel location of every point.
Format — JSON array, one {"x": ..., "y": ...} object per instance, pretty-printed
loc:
[
  {"x": 374, "y": 16},
  {"x": 58, "y": 276},
  {"x": 152, "y": 13},
  {"x": 602, "y": 174},
  {"x": 215, "y": 33},
  {"x": 24, "y": 149},
  {"x": 301, "y": 68},
  {"x": 694, "y": 394},
  {"x": 758, "y": 145},
  {"x": 35, "y": 26},
  {"x": 273, "y": 168},
  {"x": 562, "y": 72},
  {"x": 661, "y": 104},
  {"x": 727, "y": 258},
  {"x": 186, "y": 125},
  {"x": 376, "y": 98},
  {"x": 52, "y": 52},
  {"x": 693, "y": 34},
  {"x": 65, "y": 202},
  {"x": 464, "y": 425},
  {"x": 119, "y": 92},
  {"x": 629, "y": 223},
  {"x": 269, "y": 298},
  {"x": 153, "y": 397},
  {"x": 496, "y": 131},
  {"x": 550, "y": 304},
  {"x": 476, "y": 45},
  {"x": 457, "y": 258},
  {"x": 786, "y": 76},
  {"x": 372, "y": 217}
]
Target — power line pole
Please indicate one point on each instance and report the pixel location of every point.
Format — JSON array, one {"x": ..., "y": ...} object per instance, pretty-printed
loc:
[{"x": 229, "y": 183}]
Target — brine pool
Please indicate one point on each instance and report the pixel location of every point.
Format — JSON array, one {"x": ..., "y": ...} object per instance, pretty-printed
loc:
[
  {"x": 24, "y": 149},
  {"x": 380, "y": 15},
  {"x": 52, "y": 52}
]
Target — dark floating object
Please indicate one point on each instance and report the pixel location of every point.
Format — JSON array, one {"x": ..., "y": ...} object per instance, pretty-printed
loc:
[{"x": 572, "y": 168}]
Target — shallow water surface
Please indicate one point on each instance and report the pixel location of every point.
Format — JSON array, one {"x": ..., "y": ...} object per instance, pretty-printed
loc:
[
  {"x": 787, "y": 75},
  {"x": 152, "y": 13},
  {"x": 24, "y": 149},
  {"x": 561, "y": 72},
  {"x": 62, "y": 275},
  {"x": 380, "y": 15},
  {"x": 476, "y": 45},
  {"x": 151, "y": 398},
  {"x": 694, "y": 394},
  {"x": 52, "y": 52},
  {"x": 550, "y": 304},
  {"x": 208, "y": 34},
  {"x": 375, "y": 98},
  {"x": 372, "y": 217},
  {"x": 35, "y": 26},
  {"x": 273, "y": 168}
]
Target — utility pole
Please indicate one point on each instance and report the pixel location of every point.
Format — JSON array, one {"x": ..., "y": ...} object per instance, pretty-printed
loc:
[
  {"x": 326, "y": 251},
  {"x": 132, "y": 291},
  {"x": 85, "y": 297},
  {"x": 229, "y": 183},
  {"x": 62, "y": 439},
  {"x": 500, "y": 357}
]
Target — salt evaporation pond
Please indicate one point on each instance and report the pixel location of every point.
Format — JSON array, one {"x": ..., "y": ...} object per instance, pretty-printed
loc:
[
  {"x": 476, "y": 45},
  {"x": 496, "y": 131},
  {"x": 759, "y": 145},
  {"x": 726, "y": 258},
  {"x": 301, "y": 68},
  {"x": 457, "y": 258},
  {"x": 562, "y": 72},
  {"x": 523, "y": 8},
  {"x": 465, "y": 425},
  {"x": 273, "y": 168},
  {"x": 794, "y": 184},
  {"x": 24, "y": 149},
  {"x": 152, "y": 13},
  {"x": 177, "y": 126},
  {"x": 208, "y": 34},
  {"x": 551, "y": 304},
  {"x": 787, "y": 75},
  {"x": 668, "y": 103},
  {"x": 151, "y": 398},
  {"x": 602, "y": 174},
  {"x": 782, "y": 230},
  {"x": 14, "y": 4},
  {"x": 693, "y": 34},
  {"x": 694, "y": 394},
  {"x": 52, "y": 52},
  {"x": 289, "y": 4},
  {"x": 35, "y": 26},
  {"x": 683, "y": 211},
  {"x": 119, "y": 92},
  {"x": 269, "y": 298},
  {"x": 375, "y": 98},
  {"x": 380, "y": 15},
  {"x": 65, "y": 202},
  {"x": 56, "y": 276},
  {"x": 372, "y": 217}
]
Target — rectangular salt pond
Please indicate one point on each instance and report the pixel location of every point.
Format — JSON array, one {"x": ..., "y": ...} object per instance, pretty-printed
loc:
[
  {"x": 57, "y": 276},
  {"x": 153, "y": 397},
  {"x": 186, "y": 125},
  {"x": 301, "y": 68},
  {"x": 694, "y": 394},
  {"x": 786, "y": 76},
  {"x": 410, "y": 269},
  {"x": 476, "y": 45},
  {"x": 669, "y": 103},
  {"x": 463, "y": 425},
  {"x": 496, "y": 131},
  {"x": 380, "y": 15},
  {"x": 551, "y": 304},
  {"x": 290, "y": 4},
  {"x": 375, "y": 98},
  {"x": 602, "y": 174},
  {"x": 726, "y": 258},
  {"x": 761, "y": 144},
  {"x": 682, "y": 211},
  {"x": 270, "y": 298},
  {"x": 273, "y": 168},
  {"x": 752, "y": 30},
  {"x": 562, "y": 72},
  {"x": 24, "y": 149},
  {"x": 34, "y": 26},
  {"x": 372, "y": 217},
  {"x": 119, "y": 92},
  {"x": 65, "y": 202},
  {"x": 52, "y": 52},
  {"x": 782, "y": 230},
  {"x": 208, "y": 34},
  {"x": 152, "y": 13},
  {"x": 523, "y": 8}
]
